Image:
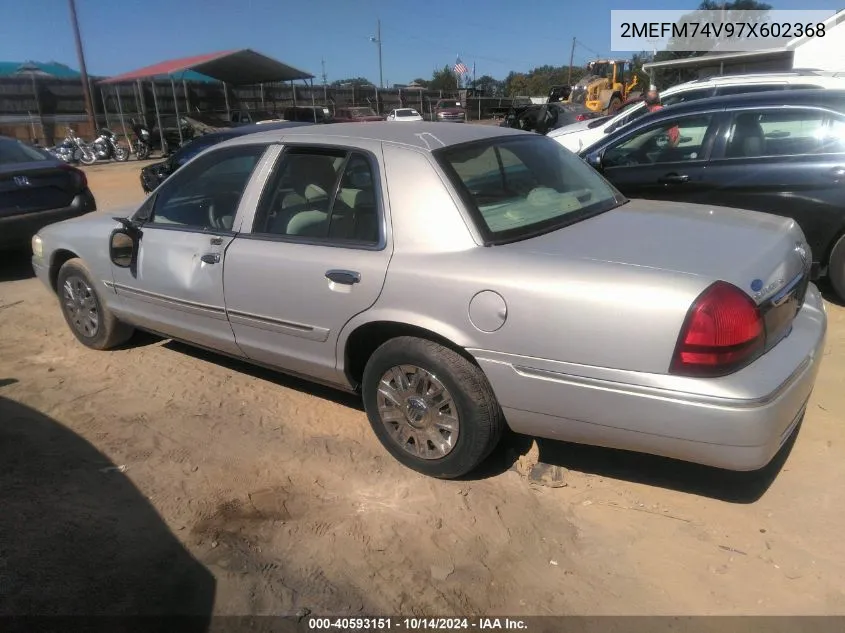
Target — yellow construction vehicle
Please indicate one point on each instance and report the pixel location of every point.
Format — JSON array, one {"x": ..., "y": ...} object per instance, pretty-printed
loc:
[{"x": 604, "y": 87}]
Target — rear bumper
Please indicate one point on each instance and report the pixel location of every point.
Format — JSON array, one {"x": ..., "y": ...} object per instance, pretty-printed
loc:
[
  {"x": 736, "y": 433},
  {"x": 17, "y": 230}
]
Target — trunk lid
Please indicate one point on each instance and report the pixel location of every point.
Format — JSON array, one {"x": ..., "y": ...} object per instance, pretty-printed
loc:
[
  {"x": 757, "y": 252},
  {"x": 36, "y": 186}
]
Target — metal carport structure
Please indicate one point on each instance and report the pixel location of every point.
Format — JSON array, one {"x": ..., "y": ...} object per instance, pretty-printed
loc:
[{"x": 237, "y": 67}]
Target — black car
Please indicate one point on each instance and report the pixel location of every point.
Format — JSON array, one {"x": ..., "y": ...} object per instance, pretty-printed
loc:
[
  {"x": 37, "y": 189},
  {"x": 776, "y": 152},
  {"x": 153, "y": 175},
  {"x": 545, "y": 117}
]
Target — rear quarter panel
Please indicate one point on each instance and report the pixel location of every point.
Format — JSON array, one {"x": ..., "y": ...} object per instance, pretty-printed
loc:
[{"x": 564, "y": 309}]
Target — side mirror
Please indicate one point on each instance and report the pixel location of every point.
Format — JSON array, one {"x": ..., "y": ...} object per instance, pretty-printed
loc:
[
  {"x": 596, "y": 160},
  {"x": 122, "y": 248}
]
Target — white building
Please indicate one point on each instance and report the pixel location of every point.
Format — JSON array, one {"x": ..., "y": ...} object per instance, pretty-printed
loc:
[{"x": 819, "y": 53}]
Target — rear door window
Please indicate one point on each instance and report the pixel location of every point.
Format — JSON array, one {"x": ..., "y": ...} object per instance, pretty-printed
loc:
[{"x": 782, "y": 132}]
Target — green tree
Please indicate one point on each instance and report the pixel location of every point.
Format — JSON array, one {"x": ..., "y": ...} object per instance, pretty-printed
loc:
[
  {"x": 443, "y": 79},
  {"x": 354, "y": 81},
  {"x": 490, "y": 86}
]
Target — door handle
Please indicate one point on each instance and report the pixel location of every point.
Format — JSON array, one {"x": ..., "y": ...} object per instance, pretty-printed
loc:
[
  {"x": 216, "y": 241},
  {"x": 673, "y": 179},
  {"x": 347, "y": 277},
  {"x": 211, "y": 258}
]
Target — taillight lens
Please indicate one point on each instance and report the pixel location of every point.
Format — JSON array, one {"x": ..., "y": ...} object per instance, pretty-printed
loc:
[
  {"x": 79, "y": 177},
  {"x": 723, "y": 331},
  {"x": 582, "y": 117}
]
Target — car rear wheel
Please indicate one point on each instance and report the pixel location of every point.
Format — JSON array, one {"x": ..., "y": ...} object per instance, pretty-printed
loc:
[
  {"x": 89, "y": 319},
  {"x": 836, "y": 268},
  {"x": 430, "y": 407}
]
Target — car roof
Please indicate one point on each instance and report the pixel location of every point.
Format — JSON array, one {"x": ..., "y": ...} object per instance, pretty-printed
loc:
[
  {"x": 421, "y": 135},
  {"x": 834, "y": 99},
  {"x": 819, "y": 78},
  {"x": 810, "y": 97}
]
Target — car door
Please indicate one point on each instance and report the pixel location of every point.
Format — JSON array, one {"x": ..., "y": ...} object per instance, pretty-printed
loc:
[
  {"x": 315, "y": 256},
  {"x": 786, "y": 161},
  {"x": 176, "y": 286},
  {"x": 666, "y": 160}
]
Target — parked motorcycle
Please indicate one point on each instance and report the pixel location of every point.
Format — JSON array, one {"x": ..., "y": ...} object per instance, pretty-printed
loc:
[
  {"x": 105, "y": 147},
  {"x": 73, "y": 150},
  {"x": 143, "y": 140}
]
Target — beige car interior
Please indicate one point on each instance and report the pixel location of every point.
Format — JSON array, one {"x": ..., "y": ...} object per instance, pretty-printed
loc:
[{"x": 302, "y": 204}]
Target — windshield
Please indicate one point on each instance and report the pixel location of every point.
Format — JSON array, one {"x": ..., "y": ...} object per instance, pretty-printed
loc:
[
  {"x": 407, "y": 113},
  {"x": 521, "y": 187},
  {"x": 448, "y": 104},
  {"x": 12, "y": 151}
]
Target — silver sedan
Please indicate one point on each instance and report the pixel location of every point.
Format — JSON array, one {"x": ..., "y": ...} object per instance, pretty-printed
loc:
[{"x": 463, "y": 279}]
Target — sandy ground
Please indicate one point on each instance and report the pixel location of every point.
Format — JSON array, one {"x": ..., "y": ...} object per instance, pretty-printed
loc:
[{"x": 158, "y": 475}]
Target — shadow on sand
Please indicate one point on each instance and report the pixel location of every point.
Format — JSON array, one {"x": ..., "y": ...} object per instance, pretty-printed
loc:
[{"x": 77, "y": 538}]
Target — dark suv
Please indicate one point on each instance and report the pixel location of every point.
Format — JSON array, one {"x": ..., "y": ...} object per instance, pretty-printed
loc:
[{"x": 777, "y": 152}]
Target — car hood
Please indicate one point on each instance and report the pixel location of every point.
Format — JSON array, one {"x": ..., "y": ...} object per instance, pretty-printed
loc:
[
  {"x": 580, "y": 126},
  {"x": 734, "y": 245},
  {"x": 95, "y": 223}
]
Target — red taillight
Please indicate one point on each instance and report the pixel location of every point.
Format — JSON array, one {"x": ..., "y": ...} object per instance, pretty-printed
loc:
[
  {"x": 582, "y": 117},
  {"x": 79, "y": 177},
  {"x": 723, "y": 331}
]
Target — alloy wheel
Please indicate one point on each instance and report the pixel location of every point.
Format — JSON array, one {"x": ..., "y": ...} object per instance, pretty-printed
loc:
[
  {"x": 80, "y": 305},
  {"x": 418, "y": 412}
]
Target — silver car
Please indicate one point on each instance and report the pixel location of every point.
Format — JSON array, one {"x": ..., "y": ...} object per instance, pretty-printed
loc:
[{"x": 463, "y": 278}]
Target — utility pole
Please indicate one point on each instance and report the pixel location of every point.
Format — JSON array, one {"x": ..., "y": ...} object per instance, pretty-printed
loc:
[
  {"x": 377, "y": 41},
  {"x": 325, "y": 83},
  {"x": 86, "y": 91},
  {"x": 571, "y": 60}
]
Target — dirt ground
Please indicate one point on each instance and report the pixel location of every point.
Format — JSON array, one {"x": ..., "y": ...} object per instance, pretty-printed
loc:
[{"x": 159, "y": 475}]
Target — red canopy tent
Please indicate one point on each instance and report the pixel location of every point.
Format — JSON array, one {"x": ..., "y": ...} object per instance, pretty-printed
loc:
[{"x": 238, "y": 67}]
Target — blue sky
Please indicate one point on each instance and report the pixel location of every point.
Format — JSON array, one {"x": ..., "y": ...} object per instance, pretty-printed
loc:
[{"x": 498, "y": 35}]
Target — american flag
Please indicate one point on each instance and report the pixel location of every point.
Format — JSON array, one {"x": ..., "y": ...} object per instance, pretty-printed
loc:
[{"x": 460, "y": 67}]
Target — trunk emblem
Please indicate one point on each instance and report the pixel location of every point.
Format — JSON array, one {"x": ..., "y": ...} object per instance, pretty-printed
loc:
[
  {"x": 756, "y": 285},
  {"x": 22, "y": 181}
]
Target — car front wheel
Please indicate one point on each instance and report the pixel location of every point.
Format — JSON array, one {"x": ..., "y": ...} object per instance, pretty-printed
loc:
[
  {"x": 430, "y": 407},
  {"x": 89, "y": 319}
]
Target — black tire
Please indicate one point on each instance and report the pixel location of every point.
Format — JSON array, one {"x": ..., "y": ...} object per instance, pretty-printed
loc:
[
  {"x": 121, "y": 154},
  {"x": 109, "y": 331},
  {"x": 836, "y": 268},
  {"x": 480, "y": 421},
  {"x": 142, "y": 151},
  {"x": 88, "y": 157}
]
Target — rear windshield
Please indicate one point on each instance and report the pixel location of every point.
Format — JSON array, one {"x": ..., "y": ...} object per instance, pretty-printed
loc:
[
  {"x": 407, "y": 113},
  {"x": 520, "y": 187},
  {"x": 448, "y": 104},
  {"x": 12, "y": 151}
]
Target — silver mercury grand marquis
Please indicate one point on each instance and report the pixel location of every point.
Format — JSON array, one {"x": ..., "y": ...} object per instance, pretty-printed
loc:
[{"x": 463, "y": 278}]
